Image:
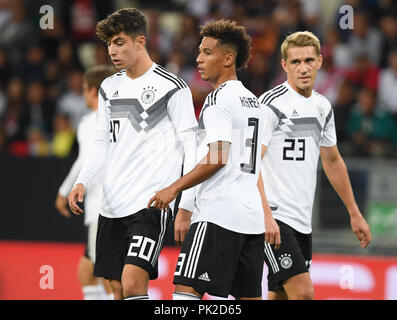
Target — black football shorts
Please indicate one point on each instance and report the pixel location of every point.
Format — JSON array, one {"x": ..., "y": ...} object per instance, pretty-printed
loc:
[
  {"x": 292, "y": 258},
  {"x": 135, "y": 239},
  {"x": 220, "y": 262}
]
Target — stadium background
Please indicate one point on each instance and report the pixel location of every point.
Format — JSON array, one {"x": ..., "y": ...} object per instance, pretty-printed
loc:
[{"x": 41, "y": 103}]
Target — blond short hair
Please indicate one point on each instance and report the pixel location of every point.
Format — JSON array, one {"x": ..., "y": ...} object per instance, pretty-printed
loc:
[{"x": 300, "y": 39}]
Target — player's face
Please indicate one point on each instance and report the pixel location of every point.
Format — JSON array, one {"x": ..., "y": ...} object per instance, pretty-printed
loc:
[
  {"x": 210, "y": 60},
  {"x": 301, "y": 66},
  {"x": 123, "y": 50}
]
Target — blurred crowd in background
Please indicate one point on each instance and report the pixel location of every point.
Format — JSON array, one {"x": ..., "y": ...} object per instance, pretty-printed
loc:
[{"x": 41, "y": 70}]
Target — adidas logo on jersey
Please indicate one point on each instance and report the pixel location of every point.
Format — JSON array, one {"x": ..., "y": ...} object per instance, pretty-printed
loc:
[
  {"x": 295, "y": 113},
  {"x": 115, "y": 94},
  {"x": 204, "y": 277}
]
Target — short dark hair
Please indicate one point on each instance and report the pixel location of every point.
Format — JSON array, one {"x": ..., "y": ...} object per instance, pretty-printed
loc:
[
  {"x": 95, "y": 75},
  {"x": 229, "y": 33},
  {"x": 128, "y": 20}
]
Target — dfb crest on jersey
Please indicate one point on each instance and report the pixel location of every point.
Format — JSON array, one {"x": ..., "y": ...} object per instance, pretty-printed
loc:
[
  {"x": 321, "y": 113},
  {"x": 285, "y": 261},
  {"x": 148, "y": 95}
]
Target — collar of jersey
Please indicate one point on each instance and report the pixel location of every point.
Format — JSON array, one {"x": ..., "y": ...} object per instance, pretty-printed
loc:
[
  {"x": 295, "y": 92},
  {"x": 154, "y": 65},
  {"x": 233, "y": 80}
]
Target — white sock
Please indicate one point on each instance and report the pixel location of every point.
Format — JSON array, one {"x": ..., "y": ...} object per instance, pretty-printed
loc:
[
  {"x": 94, "y": 292},
  {"x": 138, "y": 297},
  {"x": 184, "y": 296},
  {"x": 109, "y": 296}
]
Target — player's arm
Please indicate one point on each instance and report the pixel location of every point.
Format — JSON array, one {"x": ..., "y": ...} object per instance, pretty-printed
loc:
[
  {"x": 61, "y": 201},
  {"x": 181, "y": 111},
  {"x": 95, "y": 158},
  {"x": 337, "y": 174},
  {"x": 215, "y": 160},
  {"x": 61, "y": 204},
  {"x": 186, "y": 203},
  {"x": 272, "y": 230},
  {"x": 218, "y": 122}
]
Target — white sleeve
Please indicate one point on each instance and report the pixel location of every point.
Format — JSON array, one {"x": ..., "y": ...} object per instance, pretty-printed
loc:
[
  {"x": 189, "y": 141},
  {"x": 328, "y": 138},
  {"x": 270, "y": 123},
  {"x": 181, "y": 112},
  {"x": 218, "y": 123},
  {"x": 96, "y": 156},
  {"x": 70, "y": 179}
]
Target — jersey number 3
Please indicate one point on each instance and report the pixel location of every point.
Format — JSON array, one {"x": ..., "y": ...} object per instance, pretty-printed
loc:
[{"x": 252, "y": 143}]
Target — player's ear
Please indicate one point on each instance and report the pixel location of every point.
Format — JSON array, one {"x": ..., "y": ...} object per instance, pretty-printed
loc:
[
  {"x": 229, "y": 60},
  {"x": 284, "y": 65},
  {"x": 140, "y": 41}
]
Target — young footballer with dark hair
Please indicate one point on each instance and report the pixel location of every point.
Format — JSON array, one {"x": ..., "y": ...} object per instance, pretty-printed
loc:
[
  {"x": 146, "y": 130},
  {"x": 223, "y": 250}
]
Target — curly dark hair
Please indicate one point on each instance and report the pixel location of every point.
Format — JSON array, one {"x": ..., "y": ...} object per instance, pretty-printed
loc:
[
  {"x": 229, "y": 33},
  {"x": 128, "y": 20}
]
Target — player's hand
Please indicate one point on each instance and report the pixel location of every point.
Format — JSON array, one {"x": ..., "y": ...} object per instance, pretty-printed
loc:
[
  {"x": 61, "y": 203},
  {"x": 361, "y": 229},
  {"x": 272, "y": 234},
  {"x": 182, "y": 225},
  {"x": 75, "y": 196},
  {"x": 163, "y": 198}
]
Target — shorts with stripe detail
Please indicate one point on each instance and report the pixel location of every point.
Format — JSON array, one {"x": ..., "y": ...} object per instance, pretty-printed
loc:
[
  {"x": 220, "y": 262},
  {"x": 90, "y": 231},
  {"x": 292, "y": 258},
  {"x": 136, "y": 239}
]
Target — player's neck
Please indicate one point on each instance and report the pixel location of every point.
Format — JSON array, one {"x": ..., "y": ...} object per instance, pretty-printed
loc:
[
  {"x": 223, "y": 78},
  {"x": 142, "y": 65},
  {"x": 307, "y": 92}
]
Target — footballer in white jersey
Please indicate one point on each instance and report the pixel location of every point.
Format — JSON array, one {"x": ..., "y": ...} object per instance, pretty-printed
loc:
[
  {"x": 223, "y": 248},
  {"x": 92, "y": 202},
  {"x": 139, "y": 136},
  {"x": 92, "y": 287},
  {"x": 297, "y": 128},
  {"x": 230, "y": 198},
  {"x": 300, "y": 128},
  {"x": 146, "y": 133},
  {"x": 141, "y": 130}
]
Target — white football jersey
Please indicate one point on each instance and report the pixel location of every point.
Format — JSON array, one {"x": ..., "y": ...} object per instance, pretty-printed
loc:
[
  {"x": 296, "y": 129},
  {"x": 93, "y": 198},
  {"x": 230, "y": 198},
  {"x": 139, "y": 126}
]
